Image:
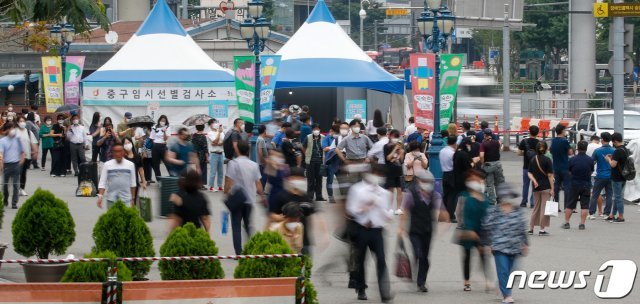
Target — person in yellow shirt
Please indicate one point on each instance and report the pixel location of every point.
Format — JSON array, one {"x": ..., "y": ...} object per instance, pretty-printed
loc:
[{"x": 291, "y": 228}]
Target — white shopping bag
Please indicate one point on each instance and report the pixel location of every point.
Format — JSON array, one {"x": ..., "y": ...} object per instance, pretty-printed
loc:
[{"x": 551, "y": 209}]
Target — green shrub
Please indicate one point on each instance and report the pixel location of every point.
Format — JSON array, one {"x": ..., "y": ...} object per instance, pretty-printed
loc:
[
  {"x": 123, "y": 232},
  {"x": 189, "y": 241},
  {"x": 95, "y": 271},
  {"x": 272, "y": 243},
  {"x": 43, "y": 226}
]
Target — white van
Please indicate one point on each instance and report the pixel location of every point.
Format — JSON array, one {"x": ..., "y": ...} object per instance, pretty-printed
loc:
[{"x": 596, "y": 122}]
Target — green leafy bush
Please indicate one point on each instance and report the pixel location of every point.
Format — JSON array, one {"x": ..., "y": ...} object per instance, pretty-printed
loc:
[
  {"x": 189, "y": 241},
  {"x": 123, "y": 232},
  {"x": 43, "y": 226},
  {"x": 95, "y": 271},
  {"x": 272, "y": 243}
]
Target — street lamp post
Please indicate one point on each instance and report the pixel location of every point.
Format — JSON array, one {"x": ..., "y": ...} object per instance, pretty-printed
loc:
[
  {"x": 255, "y": 30},
  {"x": 363, "y": 15},
  {"x": 436, "y": 24},
  {"x": 62, "y": 35}
]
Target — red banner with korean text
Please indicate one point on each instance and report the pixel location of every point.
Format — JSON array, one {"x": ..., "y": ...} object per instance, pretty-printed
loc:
[{"x": 423, "y": 84}]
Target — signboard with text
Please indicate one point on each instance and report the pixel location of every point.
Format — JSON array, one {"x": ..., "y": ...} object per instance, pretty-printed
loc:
[
  {"x": 604, "y": 10},
  {"x": 53, "y": 86},
  {"x": 353, "y": 107},
  {"x": 423, "y": 85},
  {"x": 142, "y": 93},
  {"x": 450, "y": 68},
  {"x": 245, "y": 74},
  {"x": 72, "y": 75}
]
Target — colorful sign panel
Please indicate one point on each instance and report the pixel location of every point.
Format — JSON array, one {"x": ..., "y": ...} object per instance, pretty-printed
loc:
[
  {"x": 72, "y": 75},
  {"x": 268, "y": 74},
  {"x": 423, "y": 85},
  {"x": 450, "y": 68},
  {"x": 219, "y": 109},
  {"x": 245, "y": 73},
  {"x": 52, "y": 78},
  {"x": 354, "y": 107}
]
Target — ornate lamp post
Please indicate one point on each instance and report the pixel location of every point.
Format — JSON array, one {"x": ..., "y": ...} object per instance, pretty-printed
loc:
[
  {"x": 62, "y": 35},
  {"x": 436, "y": 23},
  {"x": 363, "y": 15},
  {"x": 255, "y": 30}
]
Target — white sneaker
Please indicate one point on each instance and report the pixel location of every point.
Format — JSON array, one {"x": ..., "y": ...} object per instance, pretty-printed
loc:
[
  {"x": 398, "y": 212},
  {"x": 23, "y": 193},
  {"x": 390, "y": 211},
  {"x": 592, "y": 217}
]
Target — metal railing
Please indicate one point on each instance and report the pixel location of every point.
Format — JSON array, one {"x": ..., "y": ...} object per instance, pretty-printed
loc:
[{"x": 562, "y": 108}]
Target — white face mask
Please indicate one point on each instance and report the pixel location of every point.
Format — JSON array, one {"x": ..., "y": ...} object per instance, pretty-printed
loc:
[
  {"x": 61, "y": 121},
  {"x": 475, "y": 186},
  {"x": 10, "y": 118},
  {"x": 242, "y": 127},
  {"x": 395, "y": 140},
  {"x": 278, "y": 160},
  {"x": 316, "y": 132},
  {"x": 373, "y": 179},
  {"x": 128, "y": 147},
  {"x": 162, "y": 123},
  {"x": 298, "y": 184},
  {"x": 344, "y": 132},
  {"x": 10, "y": 109},
  {"x": 22, "y": 125},
  {"x": 48, "y": 122},
  {"x": 426, "y": 187},
  {"x": 355, "y": 130},
  {"x": 291, "y": 226},
  {"x": 75, "y": 121},
  {"x": 13, "y": 133}
]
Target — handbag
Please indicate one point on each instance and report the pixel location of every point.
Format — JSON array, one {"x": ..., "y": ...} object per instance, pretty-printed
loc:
[
  {"x": 551, "y": 208},
  {"x": 403, "y": 264},
  {"x": 144, "y": 207}
]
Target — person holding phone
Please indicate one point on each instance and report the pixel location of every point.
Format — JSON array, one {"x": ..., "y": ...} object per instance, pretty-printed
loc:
[
  {"x": 159, "y": 135},
  {"x": 107, "y": 139}
]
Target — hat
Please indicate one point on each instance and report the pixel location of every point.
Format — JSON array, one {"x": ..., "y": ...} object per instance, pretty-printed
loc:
[
  {"x": 487, "y": 132},
  {"x": 128, "y": 115},
  {"x": 505, "y": 191}
]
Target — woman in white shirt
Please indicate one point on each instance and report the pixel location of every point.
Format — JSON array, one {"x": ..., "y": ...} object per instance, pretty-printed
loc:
[{"x": 159, "y": 135}]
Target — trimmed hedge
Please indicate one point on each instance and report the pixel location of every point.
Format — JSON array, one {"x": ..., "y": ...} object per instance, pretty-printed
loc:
[
  {"x": 189, "y": 241},
  {"x": 95, "y": 271},
  {"x": 43, "y": 226},
  {"x": 272, "y": 243},
  {"x": 123, "y": 232}
]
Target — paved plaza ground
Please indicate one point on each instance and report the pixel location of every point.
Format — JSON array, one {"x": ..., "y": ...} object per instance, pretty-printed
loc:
[{"x": 564, "y": 250}]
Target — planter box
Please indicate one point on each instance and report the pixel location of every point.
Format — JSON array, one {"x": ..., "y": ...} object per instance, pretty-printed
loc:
[
  {"x": 44, "y": 272},
  {"x": 231, "y": 291}
]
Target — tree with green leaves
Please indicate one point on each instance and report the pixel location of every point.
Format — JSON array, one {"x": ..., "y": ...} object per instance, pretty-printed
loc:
[{"x": 78, "y": 13}]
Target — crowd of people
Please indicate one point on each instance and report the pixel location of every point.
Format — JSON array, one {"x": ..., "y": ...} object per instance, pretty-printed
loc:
[{"x": 375, "y": 172}]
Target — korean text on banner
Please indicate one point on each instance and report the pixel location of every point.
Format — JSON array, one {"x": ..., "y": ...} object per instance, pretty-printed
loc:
[
  {"x": 353, "y": 108},
  {"x": 423, "y": 85},
  {"x": 268, "y": 75},
  {"x": 450, "y": 67},
  {"x": 52, "y": 78},
  {"x": 72, "y": 74},
  {"x": 245, "y": 73}
]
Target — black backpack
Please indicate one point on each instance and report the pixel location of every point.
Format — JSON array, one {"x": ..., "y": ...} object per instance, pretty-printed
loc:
[
  {"x": 628, "y": 171},
  {"x": 227, "y": 145},
  {"x": 530, "y": 152}
]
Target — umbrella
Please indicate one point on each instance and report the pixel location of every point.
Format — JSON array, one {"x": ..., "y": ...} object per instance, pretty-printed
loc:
[
  {"x": 198, "y": 119},
  {"x": 67, "y": 108},
  {"x": 141, "y": 121}
]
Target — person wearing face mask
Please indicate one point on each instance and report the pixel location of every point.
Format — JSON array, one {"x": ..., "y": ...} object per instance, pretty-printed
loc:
[
  {"x": 376, "y": 154},
  {"x": 181, "y": 154},
  {"x": 470, "y": 236},
  {"x": 46, "y": 141},
  {"x": 414, "y": 162},
  {"x": 355, "y": 146},
  {"x": 35, "y": 130},
  {"x": 295, "y": 191},
  {"x": 506, "y": 226},
  {"x": 262, "y": 151},
  {"x": 462, "y": 163},
  {"x": 57, "y": 133},
  {"x": 159, "y": 134},
  {"x": 314, "y": 159},
  {"x": 123, "y": 128},
  {"x": 200, "y": 147},
  {"x": 394, "y": 158},
  {"x": 541, "y": 175},
  {"x": 190, "y": 205},
  {"x": 117, "y": 179},
  {"x": 131, "y": 155},
  {"x": 231, "y": 139},
  {"x": 12, "y": 156},
  {"x": 368, "y": 203},
  {"x": 94, "y": 131},
  {"x": 30, "y": 145},
  {"x": 331, "y": 160},
  {"x": 561, "y": 150},
  {"x": 78, "y": 142},
  {"x": 291, "y": 229},
  {"x": 292, "y": 156},
  {"x": 108, "y": 137},
  {"x": 423, "y": 205},
  {"x": 10, "y": 113},
  {"x": 215, "y": 136}
]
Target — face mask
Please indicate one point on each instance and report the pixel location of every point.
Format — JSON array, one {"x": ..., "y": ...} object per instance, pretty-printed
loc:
[
  {"x": 10, "y": 109},
  {"x": 291, "y": 226},
  {"x": 475, "y": 186},
  {"x": 75, "y": 121},
  {"x": 356, "y": 130},
  {"x": 13, "y": 133},
  {"x": 128, "y": 147},
  {"x": 60, "y": 121},
  {"x": 242, "y": 127},
  {"x": 426, "y": 187},
  {"x": 373, "y": 179},
  {"x": 22, "y": 125},
  {"x": 300, "y": 185},
  {"x": 395, "y": 140},
  {"x": 10, "y": 118},
  {"x": 48, "y": 122},
  {"x": 344, "y": 132},
  {"x": 162, "y": 123},
  {"x": 316, "y": 133}
]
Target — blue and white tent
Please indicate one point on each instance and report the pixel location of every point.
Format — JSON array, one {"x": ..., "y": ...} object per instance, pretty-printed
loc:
[
  {"x": 161, "y": 51},
  {"x": 321, "y": 54}
]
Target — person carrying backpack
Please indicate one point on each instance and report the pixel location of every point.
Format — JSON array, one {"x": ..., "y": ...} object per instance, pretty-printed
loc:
[
  {"x": 621, "y": 167},
  {"x": 527, "y": 149},
  {"x": 230, "y": 143}
]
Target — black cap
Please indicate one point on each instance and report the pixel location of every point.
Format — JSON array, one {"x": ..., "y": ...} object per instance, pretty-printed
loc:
[{"x": 487, "y": 132}]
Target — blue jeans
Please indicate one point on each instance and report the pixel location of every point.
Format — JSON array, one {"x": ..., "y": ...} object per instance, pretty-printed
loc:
[
  {"x": 598, "y": 185},
  {"x": 525, "y": 188},
  {"x": 504, "y": 266},
  {"x": 618, "y": 199},
  {"x": 216, "y": 161},
  {"x": 564, "y": 178},
  {"x": 331, "y": 172}
]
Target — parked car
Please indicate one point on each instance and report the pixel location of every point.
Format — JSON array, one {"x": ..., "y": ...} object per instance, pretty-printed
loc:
[{"x": 596, "y": 122}]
